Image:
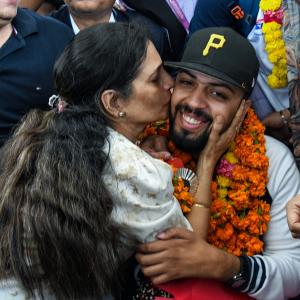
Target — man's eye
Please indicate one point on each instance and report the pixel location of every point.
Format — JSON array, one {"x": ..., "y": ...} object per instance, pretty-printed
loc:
[
  {"x": 219, "y": 95},
  {"x": 185, "y": 82}
]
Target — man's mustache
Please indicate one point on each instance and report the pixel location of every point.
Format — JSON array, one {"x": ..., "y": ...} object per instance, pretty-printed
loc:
[{"x": 185, "y": 108}]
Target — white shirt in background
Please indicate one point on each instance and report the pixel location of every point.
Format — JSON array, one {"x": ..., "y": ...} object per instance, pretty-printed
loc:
[{"x": 76, "y": 28}]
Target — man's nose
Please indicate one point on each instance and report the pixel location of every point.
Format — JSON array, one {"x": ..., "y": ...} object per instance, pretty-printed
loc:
[{"x": 197, "y": 99}]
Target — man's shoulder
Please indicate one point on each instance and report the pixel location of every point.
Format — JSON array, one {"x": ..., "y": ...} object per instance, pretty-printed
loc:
[
  {"x": 40, "y": 32},
  {"x": 63, "y": 15},
  {"x": 52, "y": 24},
  {"x": 275, "y": 147},
  {"x": 282, "y": 166},
  {"x": 44, "y": 24}
]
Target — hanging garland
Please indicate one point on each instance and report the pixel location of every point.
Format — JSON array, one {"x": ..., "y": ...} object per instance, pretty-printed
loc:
[{"x": 275, "y": 46}]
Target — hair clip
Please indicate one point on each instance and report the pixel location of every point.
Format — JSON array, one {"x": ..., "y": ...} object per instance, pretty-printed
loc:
[{"x": 52, "y": 100}]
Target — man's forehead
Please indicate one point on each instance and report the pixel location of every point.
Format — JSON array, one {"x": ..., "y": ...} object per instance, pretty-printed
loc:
[
  {"x": 200, "y": 75},
  {"x": 205, "y": 78}
]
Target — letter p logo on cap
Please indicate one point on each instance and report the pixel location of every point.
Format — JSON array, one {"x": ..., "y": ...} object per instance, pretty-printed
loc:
[{"x": 215, "y": 41}]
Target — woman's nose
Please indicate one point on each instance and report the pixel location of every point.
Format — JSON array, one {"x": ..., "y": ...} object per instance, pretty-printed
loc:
[{"x": 168, "y": 81}]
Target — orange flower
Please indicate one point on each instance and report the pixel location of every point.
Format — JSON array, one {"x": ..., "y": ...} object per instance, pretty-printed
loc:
[
  {"x": 181, "y": 192},
  {"x": 224, "y": 234},
  {"x": 150, "y": 131}
]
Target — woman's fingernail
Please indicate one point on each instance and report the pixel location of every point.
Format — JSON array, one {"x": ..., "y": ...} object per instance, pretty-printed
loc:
[{"x": 161, "y": 235}]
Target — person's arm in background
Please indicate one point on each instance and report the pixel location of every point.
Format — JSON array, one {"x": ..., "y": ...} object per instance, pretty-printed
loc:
[
  {"x": 277, "y": 125},
  {"x": 294, "y": 123},
  {"x": 293, "y": 216},
  {"x": 277, "y": 119}
]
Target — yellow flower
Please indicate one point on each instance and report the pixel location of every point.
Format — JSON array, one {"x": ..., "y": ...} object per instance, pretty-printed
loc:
[
  {"x": 271, "y": 5},
  {"x": 223, "y": 181},
  {"x": 230, "y": 157},
  {"x": 276, "y": 56},
  {"x": 222, "y": 193},
  {"x": 270, "y": 27},
  {"x": 270, "y": 36},
  {"x": 275, "y": 46},
  {"x": 280, "y": 72},
  {"x": 275, "y": 82},
  {"x": 282, "y": 62}
]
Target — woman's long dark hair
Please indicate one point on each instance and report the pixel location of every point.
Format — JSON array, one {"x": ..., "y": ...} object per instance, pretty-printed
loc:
[{"x": 55, "y": 212}]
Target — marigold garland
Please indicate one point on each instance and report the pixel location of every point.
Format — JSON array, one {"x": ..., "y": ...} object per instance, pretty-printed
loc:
[
  {"x": 239, "y": 215},
  {"x": 275, "y": 46},
  {"x": 270, "y": 5},
  {"x": 181, "y": 189}
]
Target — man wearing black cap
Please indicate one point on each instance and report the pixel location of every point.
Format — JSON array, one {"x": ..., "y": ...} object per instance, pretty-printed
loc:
[
  {"x": 218, "y": 69},
  {"x": 207, "y": 62}
]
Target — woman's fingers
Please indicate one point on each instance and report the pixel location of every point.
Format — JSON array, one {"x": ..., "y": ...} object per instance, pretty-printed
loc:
[
  {"x": 217, "y": 127},
  {"x": 233, "y": 129},
  {"x": 236, "y": 123},
  {"x": 238, "y": 118},
  {"x": 165, "y": 155}
]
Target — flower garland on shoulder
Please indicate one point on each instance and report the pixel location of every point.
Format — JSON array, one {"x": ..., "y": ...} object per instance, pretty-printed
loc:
[
  {"x": 275, "y": 46},
  {"x": 239, "y": 214}
]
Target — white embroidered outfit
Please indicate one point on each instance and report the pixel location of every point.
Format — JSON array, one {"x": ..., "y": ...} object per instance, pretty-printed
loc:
[{"x": 142, "y": 191}]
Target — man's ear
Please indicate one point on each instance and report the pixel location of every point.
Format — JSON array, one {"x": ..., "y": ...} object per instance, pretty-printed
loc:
[{"x": 111, "y": 103}]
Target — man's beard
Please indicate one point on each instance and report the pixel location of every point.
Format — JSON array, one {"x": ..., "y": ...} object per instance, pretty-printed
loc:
[{"x": 181, "y": 139}]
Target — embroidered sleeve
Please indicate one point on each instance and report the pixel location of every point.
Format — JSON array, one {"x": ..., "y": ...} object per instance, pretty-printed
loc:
[{"x": 142, "y": 191}]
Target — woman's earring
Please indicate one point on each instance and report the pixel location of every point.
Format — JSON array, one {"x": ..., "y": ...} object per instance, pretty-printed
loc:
[{"x": 122, "y": 114}]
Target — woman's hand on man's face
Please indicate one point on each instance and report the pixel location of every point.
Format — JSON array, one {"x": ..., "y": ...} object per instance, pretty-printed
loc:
[{"x": 220, "y": 140}]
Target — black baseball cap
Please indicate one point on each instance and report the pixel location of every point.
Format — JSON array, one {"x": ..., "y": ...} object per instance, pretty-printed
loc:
[{"x": 222, "y": 53}]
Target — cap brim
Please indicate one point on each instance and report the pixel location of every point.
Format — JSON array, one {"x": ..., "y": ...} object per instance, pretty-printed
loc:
[{"x": 203, "y": 69}]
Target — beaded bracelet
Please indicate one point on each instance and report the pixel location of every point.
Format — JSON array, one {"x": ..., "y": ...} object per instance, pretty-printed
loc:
[{"x": 283, "y": 118}]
